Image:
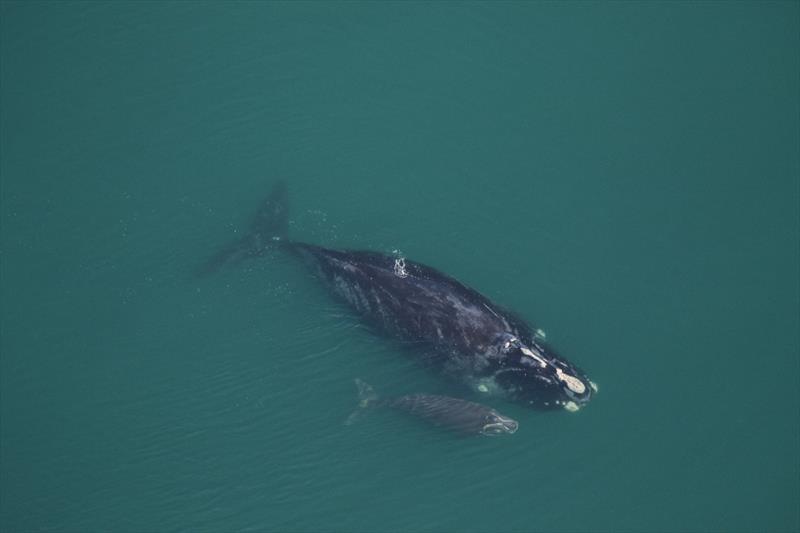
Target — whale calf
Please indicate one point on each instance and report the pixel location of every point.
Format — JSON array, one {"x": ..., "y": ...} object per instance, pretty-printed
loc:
[
  {"x": 453, "y": 327},
  {"x": 455, "y": 414}
]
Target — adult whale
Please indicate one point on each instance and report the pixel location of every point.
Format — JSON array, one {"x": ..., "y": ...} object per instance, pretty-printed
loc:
[{"x": 459, "y": 330}]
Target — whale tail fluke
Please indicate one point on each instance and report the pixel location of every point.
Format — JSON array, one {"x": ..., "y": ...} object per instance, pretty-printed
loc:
[
  {"x": 366, "y": 399},
  {"x": 267, "y": 229}
]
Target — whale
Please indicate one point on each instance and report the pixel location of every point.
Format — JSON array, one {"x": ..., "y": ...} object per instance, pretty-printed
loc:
[
  {"x": 454, "y": 329},
  {"x": 455, "y": 414}
]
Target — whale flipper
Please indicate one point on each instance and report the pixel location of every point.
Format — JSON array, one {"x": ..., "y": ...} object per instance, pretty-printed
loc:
[
  {"x": 267, "y": 228},
  {"x": 366, "y": 399}
]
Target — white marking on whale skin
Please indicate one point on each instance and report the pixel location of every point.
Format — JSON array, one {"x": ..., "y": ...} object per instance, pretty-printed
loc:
[
  {"x": 492, "y": 311},
  {"x": 400, "y": 267},
  {"x": 505, "y": 326},
  {"x": 381, "y": 309},
  {"x": 392, "y": 298},
  {"x": 471, "y": 320},
  {"x": 465, "y": 336},
  {"x": 351, "y": 293},
  {"x": 488, "y": 386},
  {"x": 534, "y": 354},
  {"x": 573, "y": 383},
  {"x": 344, "y": 265},
  {"x": 363, "y": 298},
  {"x": 464, "y": 311}
]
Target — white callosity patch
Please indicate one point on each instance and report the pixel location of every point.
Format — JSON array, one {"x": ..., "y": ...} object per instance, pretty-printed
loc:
[
  {"x": 568, "y": 405},
  {"x": 571, "y": 407},
  {"x": 574, "y": 384},
  {"x": 535, "y": 354}
]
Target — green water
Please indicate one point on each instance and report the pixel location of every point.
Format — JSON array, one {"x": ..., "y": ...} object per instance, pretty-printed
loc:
[{"x": 624, "y": 175}]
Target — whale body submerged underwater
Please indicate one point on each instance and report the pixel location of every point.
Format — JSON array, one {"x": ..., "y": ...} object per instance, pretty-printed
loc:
[
  {"x": 461, "y": 332},
  {"x": 457, "y": 415}
]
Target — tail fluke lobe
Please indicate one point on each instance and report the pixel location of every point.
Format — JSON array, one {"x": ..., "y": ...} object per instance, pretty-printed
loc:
[
  {"x": 230, "y": 254},
  {"x": 366, "y": 399},
  {"x": 268, "y": 227}
]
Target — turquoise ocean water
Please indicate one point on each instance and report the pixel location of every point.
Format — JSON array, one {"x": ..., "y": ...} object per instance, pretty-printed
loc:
[{"x": 624, "y": 175}]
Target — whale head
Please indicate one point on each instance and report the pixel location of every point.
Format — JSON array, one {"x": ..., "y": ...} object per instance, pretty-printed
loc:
[
  {"x": 497, "y": 424},
  {"x": 533, "y": 374}
]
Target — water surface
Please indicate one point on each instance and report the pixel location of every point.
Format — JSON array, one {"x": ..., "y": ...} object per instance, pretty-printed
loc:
[{"x": 623, "y": 175}]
